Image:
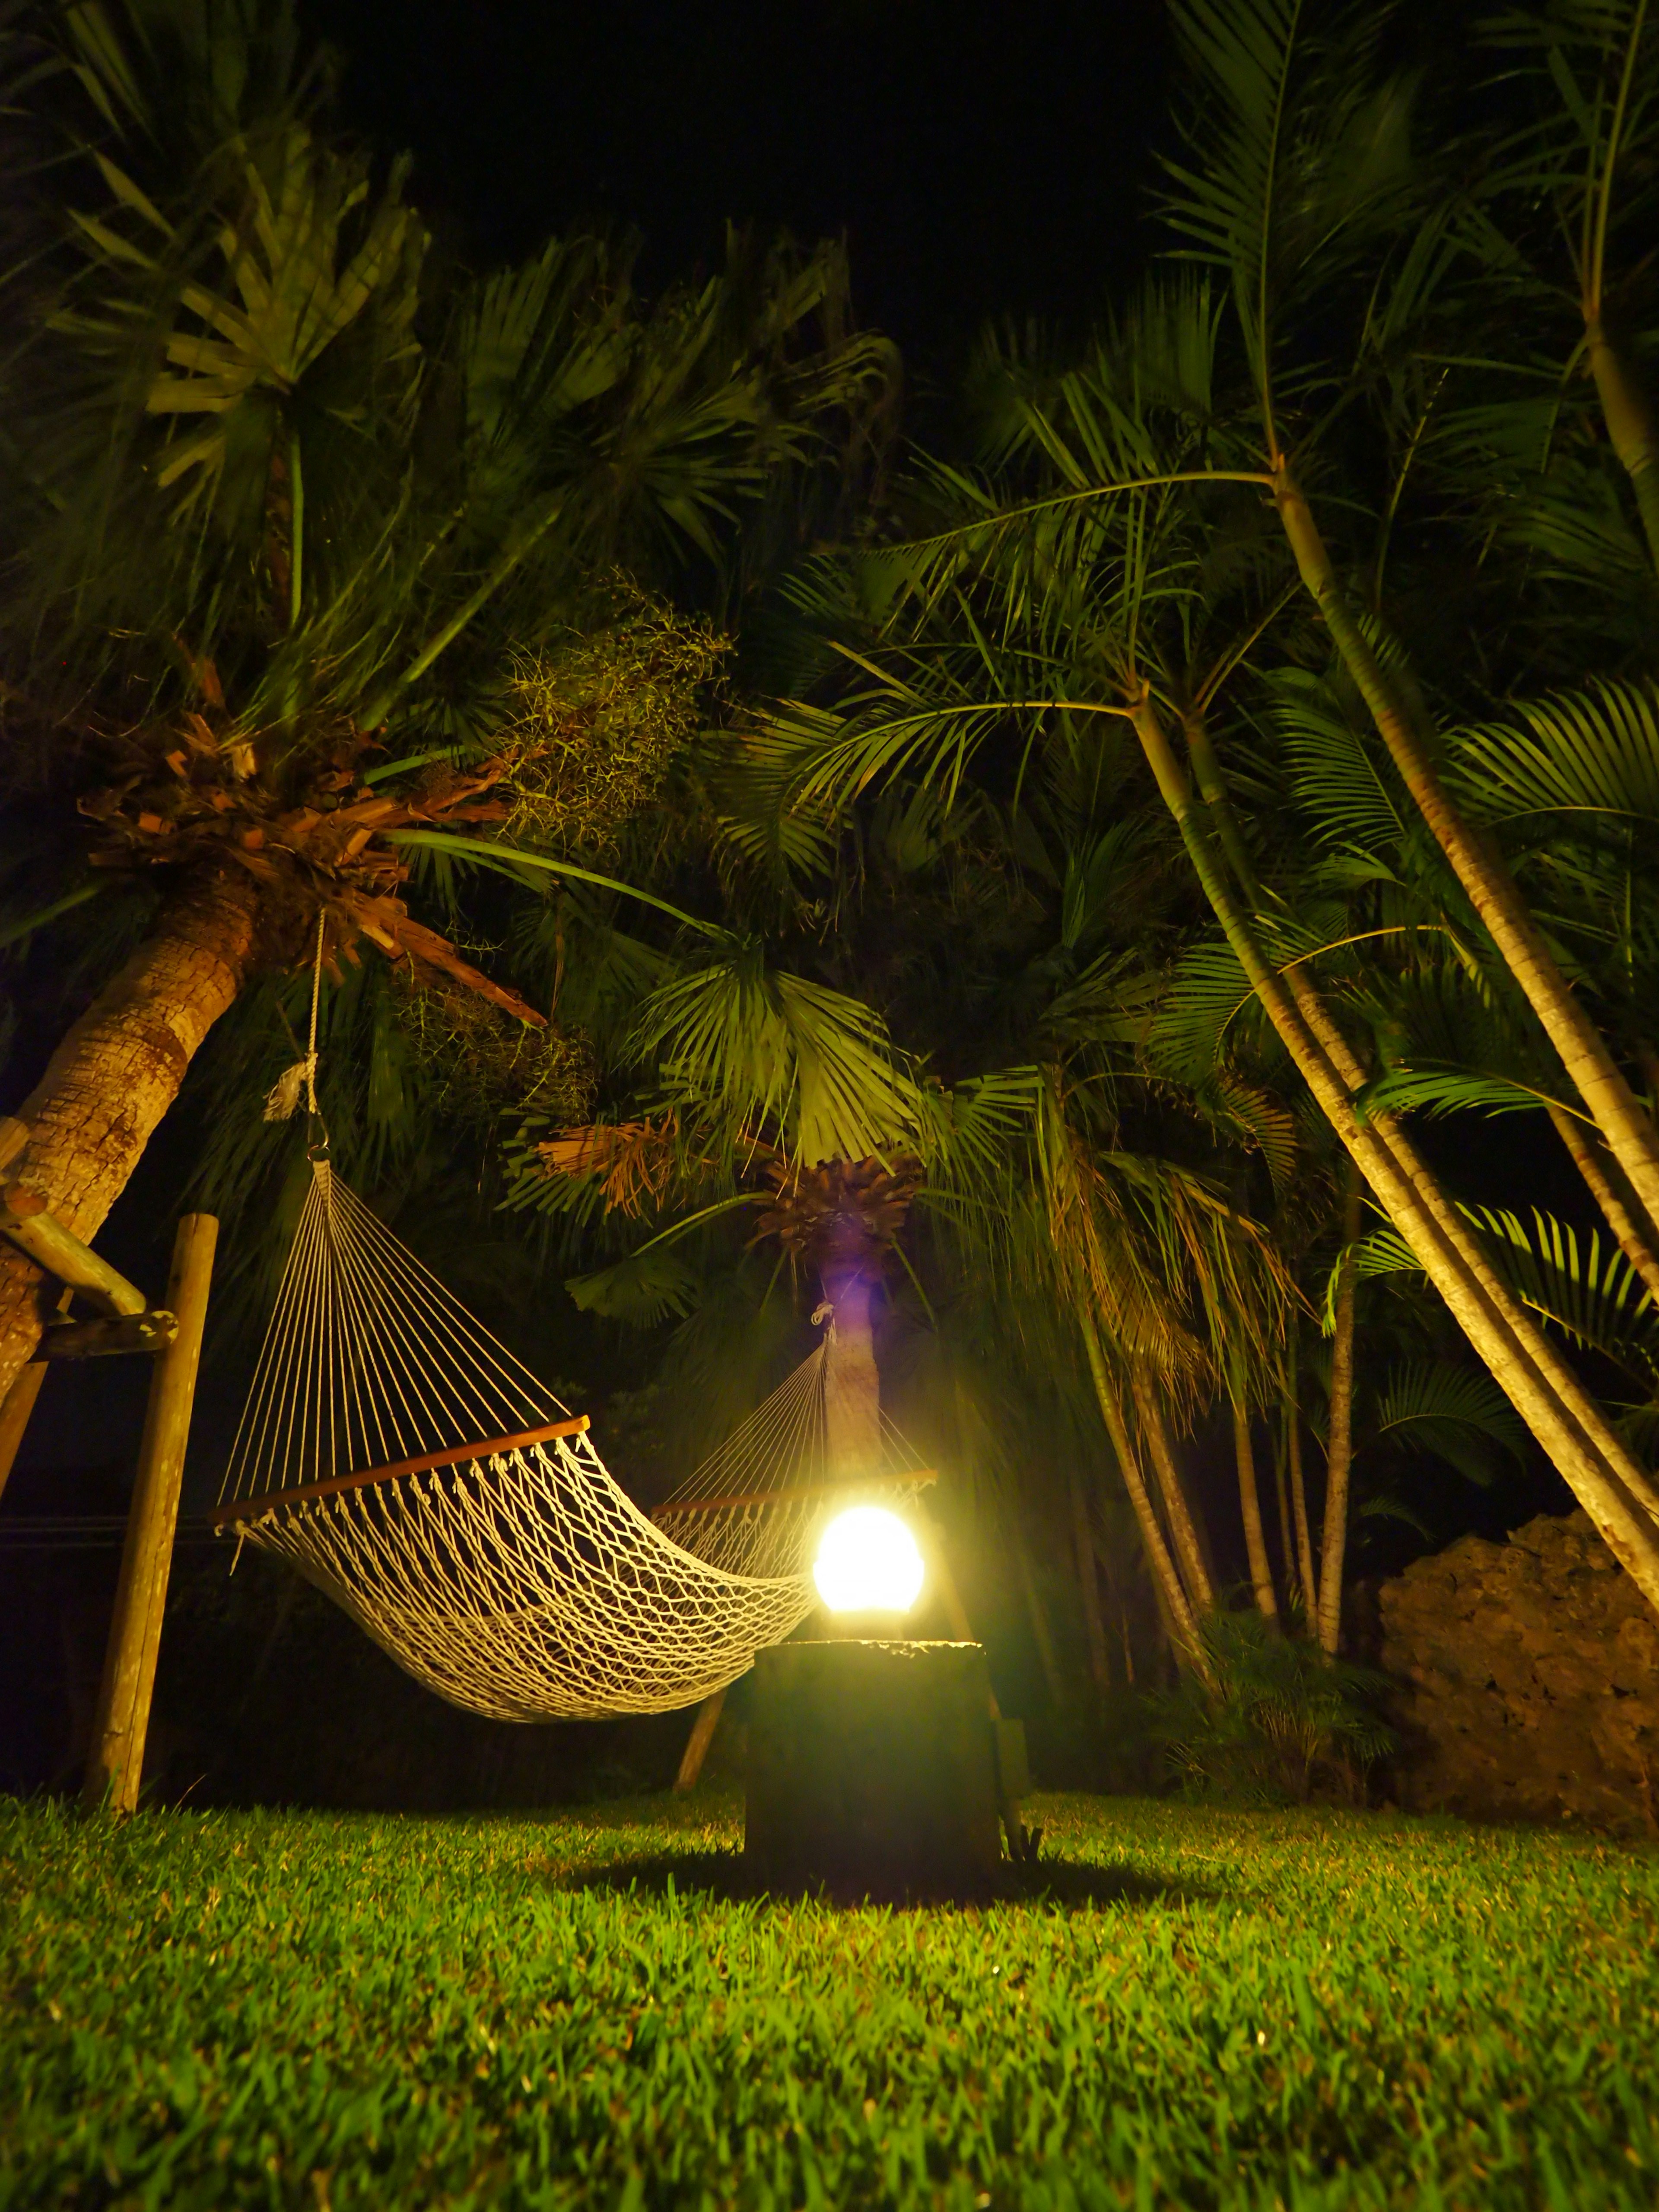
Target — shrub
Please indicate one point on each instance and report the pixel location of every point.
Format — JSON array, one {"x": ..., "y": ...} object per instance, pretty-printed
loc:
[{"x": 1272, "y": 1720}]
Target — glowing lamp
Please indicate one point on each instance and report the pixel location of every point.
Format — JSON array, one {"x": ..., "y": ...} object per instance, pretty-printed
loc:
[{"x": 867, "y": 1561}]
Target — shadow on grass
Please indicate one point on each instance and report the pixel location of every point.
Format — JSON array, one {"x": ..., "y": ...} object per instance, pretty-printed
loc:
[{"x": 720, "y": 1876}]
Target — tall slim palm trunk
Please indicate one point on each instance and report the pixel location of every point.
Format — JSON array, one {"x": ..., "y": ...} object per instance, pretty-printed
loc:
[
  {"x": 1183, "y": 1529},
  {"x": 1628, "y": 1131},
  {"x": 115, "y": 1074},
  {"x": 1304, "y": 1559},
  {"x": 1339, "y": 1451},
  {"x": 1173, "y": 1608},
  {"x": 1617, "y": 1493},
  {"x": 1249, "y": 1500}
]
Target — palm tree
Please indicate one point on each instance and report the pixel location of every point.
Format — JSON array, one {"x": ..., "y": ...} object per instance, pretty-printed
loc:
[{"x": 290, "y": 527}]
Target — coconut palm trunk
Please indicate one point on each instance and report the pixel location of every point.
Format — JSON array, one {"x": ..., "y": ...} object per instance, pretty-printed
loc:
[
  {"x": 1571, "y": 1428},
  {"x": 117, "y": 1072},
  {"x": 1618, "y": 1112},
  {"x": 1339, "y": 1450}
]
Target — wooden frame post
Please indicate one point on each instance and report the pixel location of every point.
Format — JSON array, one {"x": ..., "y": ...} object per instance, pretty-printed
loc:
[{"x": 116, "y": 1766}]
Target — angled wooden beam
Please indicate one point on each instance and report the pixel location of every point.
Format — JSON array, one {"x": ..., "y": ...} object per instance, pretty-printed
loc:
[{"x": 24, "y": 1219}]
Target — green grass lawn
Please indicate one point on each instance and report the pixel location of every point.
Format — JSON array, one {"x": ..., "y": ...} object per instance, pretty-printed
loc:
[{"x": 1199, "y": 2009}]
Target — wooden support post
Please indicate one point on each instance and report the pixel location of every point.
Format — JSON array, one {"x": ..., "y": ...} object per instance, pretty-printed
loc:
[
  {"x": 116, "y": 1767},
  {"x": 696, "y": 1748}
]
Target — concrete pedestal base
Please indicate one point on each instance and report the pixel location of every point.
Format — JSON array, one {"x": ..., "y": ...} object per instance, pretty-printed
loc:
[{"x": 872, "y": 1769}]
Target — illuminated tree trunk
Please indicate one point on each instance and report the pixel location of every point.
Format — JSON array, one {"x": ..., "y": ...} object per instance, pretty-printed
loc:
[
  {"x": 1183, "y": 1531},
  {"x": 1339, "y": 1450},
  {"x": 1619, "y": 1114},
  {"x": 1172, "y": 1602},
  {"x": 1249, "y": 1500},
  {"x": 1617, "y": 1494},
  {"x": 852, "y": 1389},
  {"x": 115, "y": 1073},
  {"x": 1304, "y": 1559}
]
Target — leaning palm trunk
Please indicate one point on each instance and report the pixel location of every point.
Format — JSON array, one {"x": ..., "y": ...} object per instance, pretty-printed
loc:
[
  {"x": 1183, "y": 1529},
  {"x": 1166, "y": 1581},
  {"x": 1617, "y": 1111},
  {"x": 1339, "y": 1440},
  {"x": 115, "y": 1073},
  {"x": 1617, "y": 1215},
  {"x": 1249, "y": 1500},
  {"x": 1574, "y": 1431},
  {"x": 1632, "y": 430}
]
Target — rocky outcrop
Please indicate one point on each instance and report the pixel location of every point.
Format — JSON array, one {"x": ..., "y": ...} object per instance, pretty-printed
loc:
[{"x": 1529, "y": 1676}]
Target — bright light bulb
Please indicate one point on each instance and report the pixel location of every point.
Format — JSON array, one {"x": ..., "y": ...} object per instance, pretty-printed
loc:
[{"x": 867, "y": 1561}]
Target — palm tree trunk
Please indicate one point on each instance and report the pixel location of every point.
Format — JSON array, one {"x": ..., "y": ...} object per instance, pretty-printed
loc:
[
  {"x": 1286, "y": 1541},
  {"x": 1617, "y": 1215},
  {"x": 1088, "y": 1583},
  {"x": 115, "y": 1073},
  {"x": 852, "y": 1389},
  {"x": 1183, "y": 1531},
  {"x": 1305, "y": 1557},
  {"x": 1601, "y": 1473},
  {"x": 1249, "y": 1500},
  {"x": 1166, "y": 1581},
  {"x": 1618, "y": 1112},
  {"x": 1632, "y": 430},
  {"x": 1339, "y": 1448}
]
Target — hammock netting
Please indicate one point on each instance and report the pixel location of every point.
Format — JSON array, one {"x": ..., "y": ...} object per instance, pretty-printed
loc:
[{"x": 414, "y": 1470}]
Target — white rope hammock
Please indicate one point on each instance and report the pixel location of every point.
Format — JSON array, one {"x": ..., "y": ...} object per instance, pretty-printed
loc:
[{"x": 408, "y": 1466}]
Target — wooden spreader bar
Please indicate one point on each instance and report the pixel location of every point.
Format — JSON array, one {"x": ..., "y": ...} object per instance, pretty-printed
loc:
[
  {"x": 254, "y": 1509},
  {"x": 669, "y": 1505}
]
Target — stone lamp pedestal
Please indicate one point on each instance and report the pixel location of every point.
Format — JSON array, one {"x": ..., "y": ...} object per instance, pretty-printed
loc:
[{"x": 872, "y": 1769}]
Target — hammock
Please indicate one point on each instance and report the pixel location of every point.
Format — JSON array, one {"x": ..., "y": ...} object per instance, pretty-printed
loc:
[{"x": 416, "y": 1472}]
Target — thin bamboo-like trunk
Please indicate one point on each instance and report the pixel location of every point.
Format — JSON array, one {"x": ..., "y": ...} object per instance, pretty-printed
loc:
[
  {"x": 1548, "y": 1368},
  {"x": 115, "y": 1770},
  {"x": 1632, "y": 430},
  {"x": 1339, "y": 1451},
  {"x": 115, "y": 1074},
  {"x": 1182, "y": 1532},
  {"x": 1088, "y": 1583},
  {"x": 1591, "y": 1065},
  {"x": 1600, "y": 1472},
  {"x": 1249, "y": 1500},
  {"x": 1617, "y": 1215},
  {"x": 1287, "y": 1540},
  {"x": 1173, "y": 1605},
  {"x": 1305, "y": 1557}
]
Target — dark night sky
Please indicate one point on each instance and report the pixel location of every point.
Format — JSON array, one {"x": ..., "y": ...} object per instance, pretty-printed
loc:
[{"x": 981, "y": 160}]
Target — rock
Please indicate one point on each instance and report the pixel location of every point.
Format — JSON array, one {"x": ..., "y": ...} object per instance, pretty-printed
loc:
[{"x": 1528, "y": 1681}]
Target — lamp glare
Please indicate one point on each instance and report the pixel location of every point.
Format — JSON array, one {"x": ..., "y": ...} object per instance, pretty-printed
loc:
[{"x": 867, "y": 1561}]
